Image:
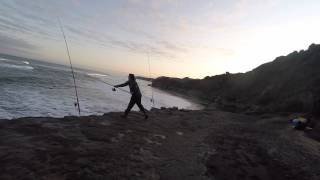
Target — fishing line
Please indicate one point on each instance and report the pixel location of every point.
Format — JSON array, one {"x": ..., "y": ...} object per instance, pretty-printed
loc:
[
  {"x": 76, "y": 104},
  {"x": 114, "y": 88}
]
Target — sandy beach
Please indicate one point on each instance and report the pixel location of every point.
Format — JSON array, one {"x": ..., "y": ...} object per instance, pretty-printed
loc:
[{"x": 172, "y": 144}]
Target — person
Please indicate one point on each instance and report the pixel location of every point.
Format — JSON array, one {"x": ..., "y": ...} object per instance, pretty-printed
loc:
[{"x": 135, "y": 95}]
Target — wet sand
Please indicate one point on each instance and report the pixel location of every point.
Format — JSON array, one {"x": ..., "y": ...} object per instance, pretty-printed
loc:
[{"x": 170, "y": 145}]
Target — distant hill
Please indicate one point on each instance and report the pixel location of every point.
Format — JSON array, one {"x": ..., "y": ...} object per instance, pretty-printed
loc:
[
  {"x": 144, "y": 78},
  {"x": 288, "y": 84}
]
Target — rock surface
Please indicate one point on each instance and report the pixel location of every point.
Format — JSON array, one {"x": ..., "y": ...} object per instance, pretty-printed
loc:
[{"x": 170, "y": 145}]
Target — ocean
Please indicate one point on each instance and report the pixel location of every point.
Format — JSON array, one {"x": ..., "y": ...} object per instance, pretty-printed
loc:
[{"x": 31, "y": 88}]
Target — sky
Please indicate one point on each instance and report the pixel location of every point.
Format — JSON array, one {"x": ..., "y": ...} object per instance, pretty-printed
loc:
[{"x": 181, "y": 38}]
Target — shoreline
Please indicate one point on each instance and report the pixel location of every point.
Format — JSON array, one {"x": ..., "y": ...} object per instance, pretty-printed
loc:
[
  {"x": 199, "y": 104},
  {"x": 172, "y": 144}
]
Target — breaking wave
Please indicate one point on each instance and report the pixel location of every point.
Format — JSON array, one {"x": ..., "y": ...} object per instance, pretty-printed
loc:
[
  {"x": 32, "y": 88},
  {"x": 95, "y": 74},
  {"x": 16, "y": 67}
]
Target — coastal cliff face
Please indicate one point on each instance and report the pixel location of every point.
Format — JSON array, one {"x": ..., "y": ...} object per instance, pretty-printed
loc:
[{"x": 288, "y": 84}]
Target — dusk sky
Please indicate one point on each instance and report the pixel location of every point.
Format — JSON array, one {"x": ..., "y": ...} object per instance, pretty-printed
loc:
[{"x": 193, "y": 38}]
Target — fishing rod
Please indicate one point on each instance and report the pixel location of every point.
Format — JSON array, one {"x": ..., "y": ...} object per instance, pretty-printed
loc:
[
  {"x": 113, "y": 88},
  {"x": 76, "y": 104},
  {"x": 149, "y": 67}
]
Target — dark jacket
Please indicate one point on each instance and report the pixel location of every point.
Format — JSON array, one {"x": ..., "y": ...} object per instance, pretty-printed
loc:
[{"x": 133, "y": 85}]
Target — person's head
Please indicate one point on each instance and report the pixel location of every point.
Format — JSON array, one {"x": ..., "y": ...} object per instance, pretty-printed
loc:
[{"x": 131, "y": 77}]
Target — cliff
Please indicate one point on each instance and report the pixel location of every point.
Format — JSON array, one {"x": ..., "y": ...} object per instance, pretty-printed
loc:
[{"x": 288, "y": 84}]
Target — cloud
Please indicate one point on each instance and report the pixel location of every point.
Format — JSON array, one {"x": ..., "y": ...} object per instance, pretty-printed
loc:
[
  {"x": 35, "y": 19},
  {"x": 139, "y": 26},
  {"x": 143, "y": 48},
  {"x": 148, "y": 43},
  {"x": 13, "y": 45},
  {"x": 26, "y": 19},
  {"x": 169, "y": 46}
]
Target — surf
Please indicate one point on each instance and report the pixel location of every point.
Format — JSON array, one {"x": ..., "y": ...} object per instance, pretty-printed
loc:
[
  {"x": 20, "y": 67},
  {"x": 97, "y": 75}
]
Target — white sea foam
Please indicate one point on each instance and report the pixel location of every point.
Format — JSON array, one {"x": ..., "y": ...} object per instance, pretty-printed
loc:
[
  {"x": 26, "y": 62},
  {"x": 3, "y": 59},
  {"x": 17, "y": 66},
  {"x": 95, "y": 74},
  {"x": 52, "y": 95}
]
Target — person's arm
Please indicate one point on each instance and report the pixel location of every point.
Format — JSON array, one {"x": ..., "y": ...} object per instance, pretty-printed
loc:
[{"x": 122, "y": 85}]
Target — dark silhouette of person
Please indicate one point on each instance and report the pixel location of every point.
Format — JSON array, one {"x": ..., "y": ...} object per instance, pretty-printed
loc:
[{"x": 135, "y": 95}]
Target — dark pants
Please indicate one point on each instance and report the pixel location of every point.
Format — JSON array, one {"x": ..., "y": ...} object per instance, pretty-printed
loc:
[{"x": 135, "y": 99}]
